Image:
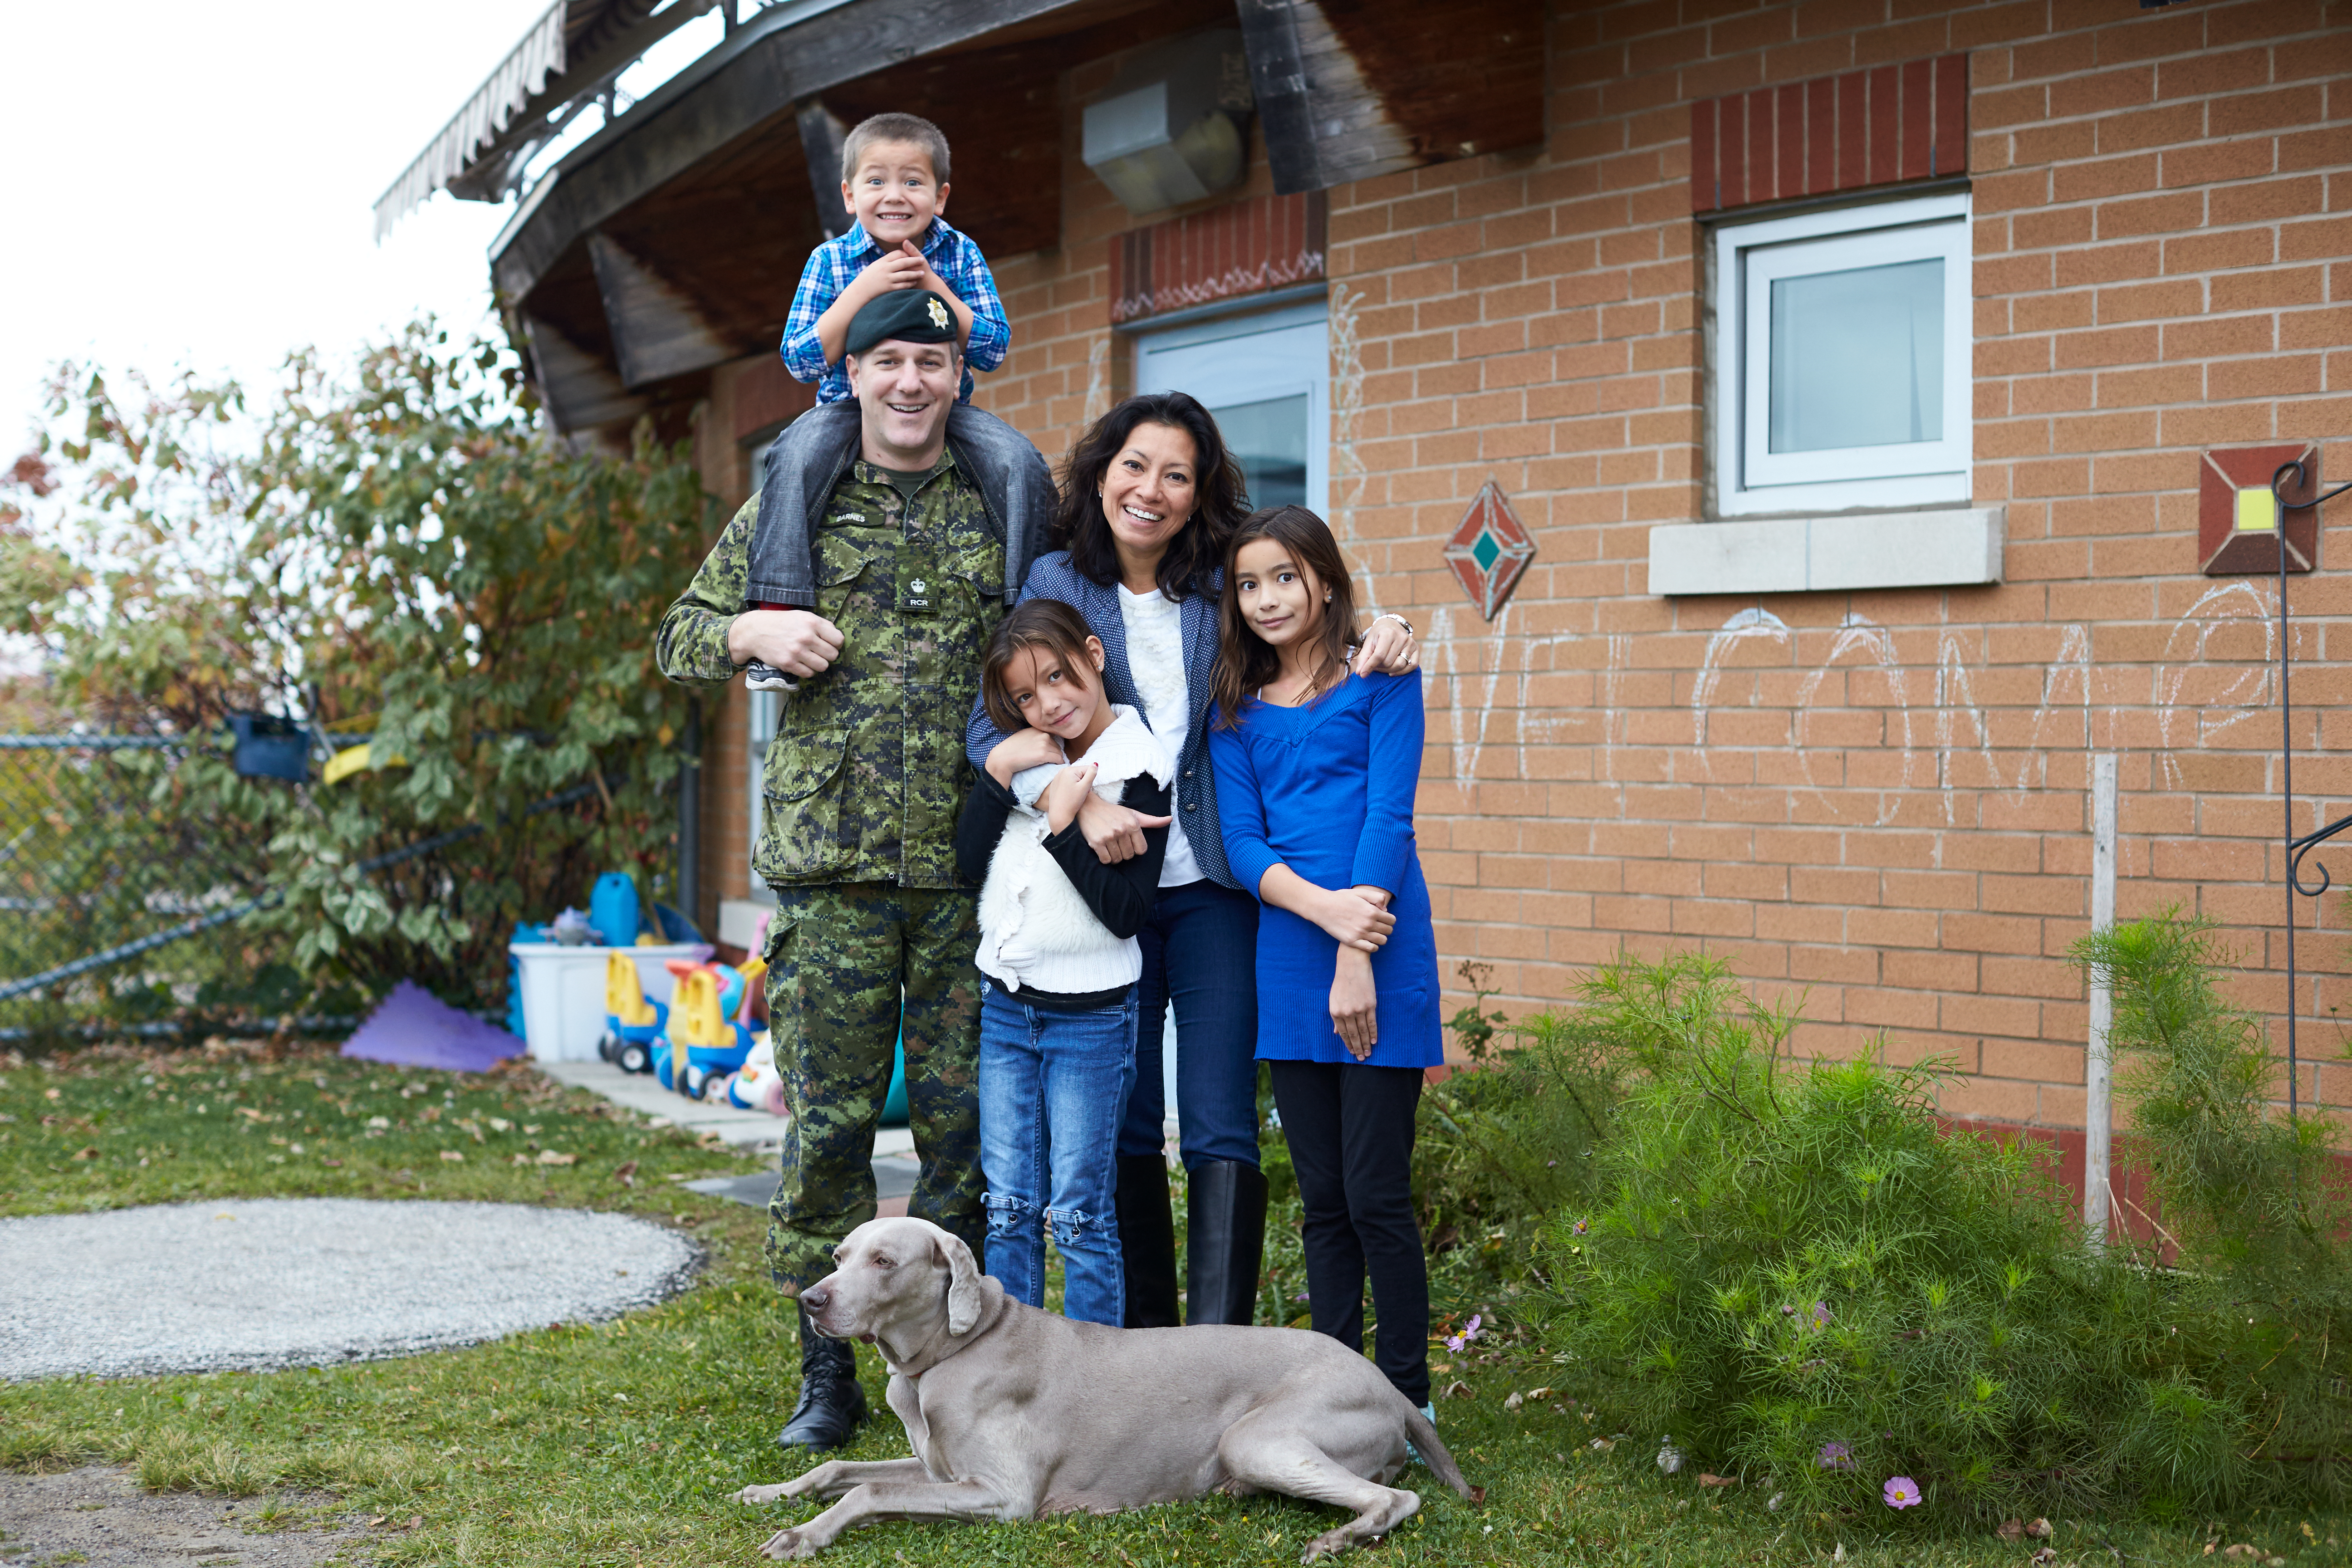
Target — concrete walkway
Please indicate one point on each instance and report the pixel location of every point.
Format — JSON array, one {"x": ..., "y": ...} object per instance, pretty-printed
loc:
[{"x": 894, "y": 1167}]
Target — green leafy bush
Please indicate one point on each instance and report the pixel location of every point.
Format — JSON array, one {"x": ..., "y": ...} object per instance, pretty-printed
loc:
[
  {"x": 406, "y": 551},
  {"x": 1792, "y": 1272},
  {"x": 2258, "y": 1209}
]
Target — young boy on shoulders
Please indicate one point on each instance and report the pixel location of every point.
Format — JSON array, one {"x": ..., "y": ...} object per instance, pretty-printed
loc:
[{"x": 893, "y": 178}]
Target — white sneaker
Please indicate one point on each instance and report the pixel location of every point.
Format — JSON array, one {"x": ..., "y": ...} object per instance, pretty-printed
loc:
[{"x": 759, "y": 677}]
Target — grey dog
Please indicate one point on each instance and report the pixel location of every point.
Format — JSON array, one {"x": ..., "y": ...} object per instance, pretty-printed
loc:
[{"x": 1013, "y": 1413}]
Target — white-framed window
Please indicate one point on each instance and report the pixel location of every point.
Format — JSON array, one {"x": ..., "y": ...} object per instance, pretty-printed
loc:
[
  {"x": 1839, "y": 376},
  {"x": 1266, "y": 377}
]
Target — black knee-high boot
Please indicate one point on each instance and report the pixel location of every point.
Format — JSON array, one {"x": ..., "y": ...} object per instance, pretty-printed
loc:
[
  {"x": 831, "y": 1403},
  {"x": 1146, "y": 1241},
  {"x": 1225, "y": 1241}
]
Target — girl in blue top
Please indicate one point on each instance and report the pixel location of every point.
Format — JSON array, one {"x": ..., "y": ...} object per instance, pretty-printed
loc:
[{"x": 1316, "y": 771}]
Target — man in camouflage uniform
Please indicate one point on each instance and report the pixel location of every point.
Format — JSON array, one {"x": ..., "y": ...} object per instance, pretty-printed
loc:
[{"x": 907, "y": 571}]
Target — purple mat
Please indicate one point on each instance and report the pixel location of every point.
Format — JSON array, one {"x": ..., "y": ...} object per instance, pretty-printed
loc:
[{"x": 414, "y": 1029}]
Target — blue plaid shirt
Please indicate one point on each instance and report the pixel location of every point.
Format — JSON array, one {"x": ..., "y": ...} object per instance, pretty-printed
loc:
[{"x": 832, "y": 264}]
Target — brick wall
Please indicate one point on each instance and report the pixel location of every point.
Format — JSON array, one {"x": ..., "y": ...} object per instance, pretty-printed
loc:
[{"x": 1875, "y": 801}]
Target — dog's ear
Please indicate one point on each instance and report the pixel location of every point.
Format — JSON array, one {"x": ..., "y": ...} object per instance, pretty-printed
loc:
[{"x": 963, "y": 1281}]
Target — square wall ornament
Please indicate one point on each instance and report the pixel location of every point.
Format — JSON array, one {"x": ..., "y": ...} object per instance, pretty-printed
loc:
[
  {"x": 2238, "y": 518},
  {"x": 1490, "y": 551}
]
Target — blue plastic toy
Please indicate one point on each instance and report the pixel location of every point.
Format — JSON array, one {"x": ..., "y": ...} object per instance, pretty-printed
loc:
[
  {"x": 633, "y": 1026},
  {"x": 522, "y": 933},
  {"x": 613, "y": 909},
  {"x": 705, "y": 1041}
]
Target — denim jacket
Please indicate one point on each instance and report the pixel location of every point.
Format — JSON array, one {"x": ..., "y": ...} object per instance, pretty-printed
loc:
[{"x": 815, "y": 450}]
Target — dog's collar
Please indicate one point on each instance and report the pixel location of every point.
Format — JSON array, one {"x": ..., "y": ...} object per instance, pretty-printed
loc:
[{"x": 946, "y": 1346}]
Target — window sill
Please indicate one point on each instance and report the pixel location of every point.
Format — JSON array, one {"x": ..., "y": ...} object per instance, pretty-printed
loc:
[{"x": 1849, "y": 552}]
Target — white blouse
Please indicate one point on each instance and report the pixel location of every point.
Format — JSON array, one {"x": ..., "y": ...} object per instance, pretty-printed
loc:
[{"x": 1155, "y": 658}]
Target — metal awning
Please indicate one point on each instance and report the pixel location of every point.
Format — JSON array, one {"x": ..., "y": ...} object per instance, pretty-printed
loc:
[{"x": 570, "y": 56}]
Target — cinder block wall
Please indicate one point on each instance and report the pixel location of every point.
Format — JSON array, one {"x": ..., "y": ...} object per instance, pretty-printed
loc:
[{"x": 1875, "y": 801}]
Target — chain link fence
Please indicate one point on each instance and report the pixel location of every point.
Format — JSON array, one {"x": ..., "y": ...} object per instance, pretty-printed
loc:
[{"x": 105, "y": 872}]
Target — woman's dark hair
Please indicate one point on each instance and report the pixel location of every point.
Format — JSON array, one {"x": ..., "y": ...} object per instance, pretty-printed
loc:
[
  {"x": 1244, "y": 660},
  {"x": 1218, "y": 489},
  {"x": 1048, "y": 626}
]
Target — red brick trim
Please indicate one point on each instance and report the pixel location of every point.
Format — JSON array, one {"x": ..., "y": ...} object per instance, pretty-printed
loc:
[
  {"x": 1243, "y": 248},
  {"x": 1875, "y": 127}
]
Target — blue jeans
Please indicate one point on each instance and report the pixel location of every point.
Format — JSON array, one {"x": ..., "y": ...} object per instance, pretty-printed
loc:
[
  {"x": 1200, "y": 952},
  {"x": 1051, "y": 1089}
]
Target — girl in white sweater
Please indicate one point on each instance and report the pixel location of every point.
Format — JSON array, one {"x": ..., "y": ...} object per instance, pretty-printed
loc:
[{"x": 1058, "y": 951}]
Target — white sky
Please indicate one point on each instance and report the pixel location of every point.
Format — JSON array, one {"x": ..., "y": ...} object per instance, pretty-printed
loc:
[{"x": 194, "y": 184}]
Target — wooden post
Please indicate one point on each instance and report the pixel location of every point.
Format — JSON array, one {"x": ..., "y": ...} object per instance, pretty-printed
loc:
[{"x": 2098, "y": 1066}]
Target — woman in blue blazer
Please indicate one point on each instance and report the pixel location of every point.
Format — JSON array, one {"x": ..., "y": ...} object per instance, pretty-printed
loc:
[{"x": 1149, "y": 496}]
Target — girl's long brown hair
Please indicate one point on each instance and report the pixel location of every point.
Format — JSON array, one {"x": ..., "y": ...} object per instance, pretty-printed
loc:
[
  {"x": 1247, "y": 662},
  {"x": 1048, "y": 626}
]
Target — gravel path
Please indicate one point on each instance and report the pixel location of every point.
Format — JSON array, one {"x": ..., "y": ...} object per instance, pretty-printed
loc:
[
  {"x": 97, "y": 1516},
  {"x": 264, "y": 1283}
]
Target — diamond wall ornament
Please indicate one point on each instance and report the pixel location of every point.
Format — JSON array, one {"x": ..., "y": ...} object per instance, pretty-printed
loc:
[{"x": 1490, "y": 551}]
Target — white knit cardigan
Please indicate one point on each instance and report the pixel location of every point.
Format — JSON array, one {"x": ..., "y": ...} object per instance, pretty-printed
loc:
[{"x": 1035, "y": 930}]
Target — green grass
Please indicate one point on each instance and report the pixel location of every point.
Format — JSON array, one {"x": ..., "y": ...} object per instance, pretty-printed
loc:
[{"x": 620, "y": 1444}]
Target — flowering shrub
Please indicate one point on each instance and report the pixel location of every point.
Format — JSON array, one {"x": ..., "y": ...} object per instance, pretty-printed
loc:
[{"x": 1794, "y": 1268}]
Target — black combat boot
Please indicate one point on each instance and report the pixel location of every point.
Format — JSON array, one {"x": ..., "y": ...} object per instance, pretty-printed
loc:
[
  {"x": 831, "y": 1404},
  {"x": 1146, "y": 1241},
  {"x": 1225, "y": 1241}
]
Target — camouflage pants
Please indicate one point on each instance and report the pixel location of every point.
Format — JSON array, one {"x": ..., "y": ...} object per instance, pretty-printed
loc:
[{"x": 838, "y": 954}]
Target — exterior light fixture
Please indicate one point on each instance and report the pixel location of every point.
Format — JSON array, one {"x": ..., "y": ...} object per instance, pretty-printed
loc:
[
  {"x": 2240, "y": 520},
  {"x": 1172, "y": 128}
]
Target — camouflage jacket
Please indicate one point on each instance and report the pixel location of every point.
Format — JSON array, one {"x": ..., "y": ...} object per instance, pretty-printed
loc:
[{"x": 864, "y": 778}]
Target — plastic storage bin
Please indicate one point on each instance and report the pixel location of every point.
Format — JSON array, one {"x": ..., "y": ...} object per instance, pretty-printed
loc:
[{"x": 564, "y": 992}]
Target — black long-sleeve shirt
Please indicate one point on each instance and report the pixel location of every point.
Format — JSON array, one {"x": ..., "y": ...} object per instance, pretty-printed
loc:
[{"x": 1121, "y": 896}]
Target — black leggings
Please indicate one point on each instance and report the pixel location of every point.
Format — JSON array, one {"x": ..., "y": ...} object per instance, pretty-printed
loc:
[{"x": 1350, "y": 1135}]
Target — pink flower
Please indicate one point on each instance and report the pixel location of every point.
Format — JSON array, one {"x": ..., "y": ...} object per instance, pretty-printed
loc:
[
  {"x": 1470, "y": 1332},
  {"x": 1834, "y": 1456},
  {"x": 1903, "y": 1493},
  {"x": 1821, "y": 1314}
]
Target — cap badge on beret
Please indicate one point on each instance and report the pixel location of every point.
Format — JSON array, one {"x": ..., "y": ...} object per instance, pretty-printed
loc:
[{"x": 902, "y": 315}]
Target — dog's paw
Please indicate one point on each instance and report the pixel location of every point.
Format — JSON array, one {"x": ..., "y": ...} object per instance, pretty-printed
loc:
[
  {"x": 760, "y": 1497},
  {"x": 788, "y": 1543}
]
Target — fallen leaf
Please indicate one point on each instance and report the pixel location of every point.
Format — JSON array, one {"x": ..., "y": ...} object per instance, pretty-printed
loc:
[
  {"x": 1707, "y": 1480},
  {"x": 2039, "y": 1529},
  {"x": 626, "y": 1174},
  {"x": 2242, "y": 1549},
  {"x": 2011, "y": 1529},
  {"x": 1455, "y": 1390},
  {"x": 89, "y": 1153},
  {"x": 522, "y": 1158},
  {"x": 2047, "y": 1554},
  {"x": 454, "y": 1157},
  {"x": 550, "y": 1157},
  {"x": 1515, "y": 1401},
  {"x": 413, "y": 1521}
]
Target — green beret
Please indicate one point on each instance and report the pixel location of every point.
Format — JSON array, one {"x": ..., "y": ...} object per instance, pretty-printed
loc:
[{"x": 904, "y": 315}]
